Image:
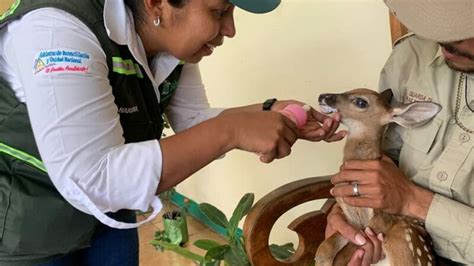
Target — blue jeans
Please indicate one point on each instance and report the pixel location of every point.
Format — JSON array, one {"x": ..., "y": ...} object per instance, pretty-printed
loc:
[{"x": 109, "y": 247}]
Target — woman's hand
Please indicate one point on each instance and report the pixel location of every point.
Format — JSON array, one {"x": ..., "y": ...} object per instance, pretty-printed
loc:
[
  {"x": 382, "y": 186},
  {"x": 268, "y": 134},
  {"x": 318, "y": 126},
  {"x": 370, "y": 251}
]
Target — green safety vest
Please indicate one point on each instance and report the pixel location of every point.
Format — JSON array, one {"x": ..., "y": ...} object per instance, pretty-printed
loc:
[{"x": 36, "y": 223}]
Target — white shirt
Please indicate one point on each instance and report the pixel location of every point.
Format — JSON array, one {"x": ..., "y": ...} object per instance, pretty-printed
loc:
[{"x": 72, "y": 111}]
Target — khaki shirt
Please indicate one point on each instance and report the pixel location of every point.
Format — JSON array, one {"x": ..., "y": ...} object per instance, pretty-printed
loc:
[{"x": 438, "y": 156}]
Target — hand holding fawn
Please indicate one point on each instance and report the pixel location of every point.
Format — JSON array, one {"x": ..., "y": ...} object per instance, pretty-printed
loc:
[{"x": 366, "y": 113}]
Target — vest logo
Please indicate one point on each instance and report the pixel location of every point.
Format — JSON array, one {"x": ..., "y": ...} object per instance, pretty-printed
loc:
[
  {"x": 167, "y": 89},
  {"x": 127, "y": 110},
  {"x": 413, "y": 96},
  {"x": 61, "y": 60}
]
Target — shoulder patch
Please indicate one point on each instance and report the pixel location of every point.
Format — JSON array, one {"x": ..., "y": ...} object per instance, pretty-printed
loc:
[
  {"x": 60, "y": 61},
  {"x": 401, "y": 39}
]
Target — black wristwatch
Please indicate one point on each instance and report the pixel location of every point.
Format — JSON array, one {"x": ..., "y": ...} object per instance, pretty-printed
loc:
[{"x": 267, "y": 105}]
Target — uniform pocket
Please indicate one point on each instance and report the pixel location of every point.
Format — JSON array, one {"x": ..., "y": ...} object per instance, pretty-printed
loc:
[
  {"x": 418, "y": 152},
  {"x": 423, "y": 138}
]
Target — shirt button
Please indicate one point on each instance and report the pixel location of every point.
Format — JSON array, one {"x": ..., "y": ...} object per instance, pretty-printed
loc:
[
  {"x": 442, "y": 176},
  {"x": 464, "y": 137}
]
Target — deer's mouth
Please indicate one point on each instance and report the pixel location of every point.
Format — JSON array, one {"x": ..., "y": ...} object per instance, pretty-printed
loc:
[{"x": 325, "y": 108}]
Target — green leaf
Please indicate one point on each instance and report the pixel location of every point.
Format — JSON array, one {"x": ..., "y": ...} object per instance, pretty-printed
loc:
[
  {"x": 214, "y": 214},
  {"x": 236, "y": 255},
  {"x": 244, "y": 206},
  {"x": 210, "y": 263},
  {"x": 282, "y": 251},
  {"x": 179, "y": 250},
  {"x": 216, "y": 253},
  {"x": 206, "y": 244}
]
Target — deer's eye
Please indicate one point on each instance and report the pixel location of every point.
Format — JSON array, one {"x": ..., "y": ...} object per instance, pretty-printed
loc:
[{"x": 361, "y": 103}]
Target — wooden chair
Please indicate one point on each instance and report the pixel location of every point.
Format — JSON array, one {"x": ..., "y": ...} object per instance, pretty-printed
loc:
[{"x": 310, "y": 226}]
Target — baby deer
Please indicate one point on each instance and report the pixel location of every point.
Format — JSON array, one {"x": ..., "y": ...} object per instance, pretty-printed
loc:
[{"x": 366, "y": 113}]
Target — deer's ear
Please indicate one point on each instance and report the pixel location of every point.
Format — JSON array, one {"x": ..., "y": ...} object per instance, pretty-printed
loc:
[
  {"x": 414, "y": 114},
  {"x": 387, "y": 95}
]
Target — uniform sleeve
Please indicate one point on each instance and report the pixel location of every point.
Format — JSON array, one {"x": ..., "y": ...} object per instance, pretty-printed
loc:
[
  {"x": 63, "y": 72},
  {"x": 451, "y": 225},
  {"x": 189, "y": 105}
]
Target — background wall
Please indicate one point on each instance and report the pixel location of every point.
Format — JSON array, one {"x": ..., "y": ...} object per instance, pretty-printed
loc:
[{"x": 304, "y": 48}]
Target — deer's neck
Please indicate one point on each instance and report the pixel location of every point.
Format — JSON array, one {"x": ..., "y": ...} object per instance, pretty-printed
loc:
[{"x": 364, "y": 145}]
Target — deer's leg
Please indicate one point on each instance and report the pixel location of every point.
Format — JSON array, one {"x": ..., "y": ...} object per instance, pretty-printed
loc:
[
  {"x": 328, "y": 249},
  {"x": 405, "y": 245},
  {"x": 343, "y": 257}
]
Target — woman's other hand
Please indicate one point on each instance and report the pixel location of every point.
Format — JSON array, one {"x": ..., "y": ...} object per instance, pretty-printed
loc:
[{"x": 318, "y": 126}]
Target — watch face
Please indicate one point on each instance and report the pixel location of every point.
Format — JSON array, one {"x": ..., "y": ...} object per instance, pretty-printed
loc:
[{"x": 267, "y": 105}]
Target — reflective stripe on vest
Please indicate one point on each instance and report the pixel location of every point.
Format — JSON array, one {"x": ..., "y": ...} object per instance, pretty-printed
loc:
[
  {"x": 126, "y": 67},
  {"x": 25, "y": 157},
  {"x": 10, "y": 10}
]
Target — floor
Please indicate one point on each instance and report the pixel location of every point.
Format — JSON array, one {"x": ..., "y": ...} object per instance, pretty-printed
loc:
[{"x": 149, "y": 256}]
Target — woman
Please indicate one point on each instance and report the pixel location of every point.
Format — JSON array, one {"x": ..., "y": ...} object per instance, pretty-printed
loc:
[{"x": 80, "y": 130}]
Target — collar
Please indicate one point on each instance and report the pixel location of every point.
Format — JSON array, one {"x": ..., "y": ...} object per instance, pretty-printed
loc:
[
  {"x": 438, "y": 56},
  {"x": 120, "y": 26}
]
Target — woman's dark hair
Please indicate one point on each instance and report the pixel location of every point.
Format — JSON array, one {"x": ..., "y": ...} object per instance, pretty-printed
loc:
[{"x": 136, "y": 6}]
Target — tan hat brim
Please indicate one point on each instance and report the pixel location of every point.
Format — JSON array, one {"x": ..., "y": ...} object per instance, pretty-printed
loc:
[{"x": 439, "y": 20}]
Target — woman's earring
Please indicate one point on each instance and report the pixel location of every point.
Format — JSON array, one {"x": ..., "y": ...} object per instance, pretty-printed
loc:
[{"x": 157, "y": 22}]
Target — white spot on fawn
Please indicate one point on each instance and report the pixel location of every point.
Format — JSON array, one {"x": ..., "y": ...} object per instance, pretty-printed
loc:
[
  {"x": 408, "y": 237},
  {"x": 430, "y": 258}
]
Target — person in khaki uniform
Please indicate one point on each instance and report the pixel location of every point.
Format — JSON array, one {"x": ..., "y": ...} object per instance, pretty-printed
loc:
[{"x": 434, "y": 180}]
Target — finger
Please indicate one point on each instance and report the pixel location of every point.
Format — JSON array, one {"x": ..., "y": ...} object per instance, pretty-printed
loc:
[
  {"x": 362, "y": 164},
  {"x": 336, "y": 137},
  {"x": 327, "y": 124},
  {"x": 311, "y": 130},
  {"x": 359, "y": 176},
  {"x": 290, "y": 136},
  {"x": 267, "y": 157},
  {"x": 356, "y": 258},
  {"x": 329, "y": 231},
  {"x": 376, "y": 244},
  {"x": 337, "y": 117},
  {"x": 290, "y": 124},
  {"x": 387, "y": 159},
  {"x": 330, "y": 125},
  {"x": 283, "y": 150},
  {"x": 339, "y": 223},
  {"x": 348, "y": 190},
  {"x": 313, "y": 135},
  {"x": 368, "y": 253},
  {"x": 365, "y": 202},
  {"x": 311, "y": 126},
  {"x": 284, "y": 145},
  {"x": 320, "y": 117},
  {"x": 381, "y": 238}
]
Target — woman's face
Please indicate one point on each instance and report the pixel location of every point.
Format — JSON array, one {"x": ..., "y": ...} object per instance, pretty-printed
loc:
[{"x": 194, "y": 30}]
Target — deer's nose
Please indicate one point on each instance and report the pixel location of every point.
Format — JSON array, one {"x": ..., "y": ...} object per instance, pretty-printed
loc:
[{"x": 327, "y": 98}]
